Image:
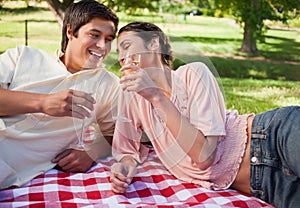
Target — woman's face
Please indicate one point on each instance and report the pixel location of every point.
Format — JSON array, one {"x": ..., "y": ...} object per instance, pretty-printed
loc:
[{"x": 129, "y": 43}]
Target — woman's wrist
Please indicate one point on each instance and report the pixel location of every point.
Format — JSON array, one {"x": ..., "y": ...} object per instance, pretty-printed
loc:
[{"x": 128, "y": 160}]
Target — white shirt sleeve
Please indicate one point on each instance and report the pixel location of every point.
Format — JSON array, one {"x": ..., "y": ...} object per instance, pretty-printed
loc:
[{"x": 8, "y": 61}]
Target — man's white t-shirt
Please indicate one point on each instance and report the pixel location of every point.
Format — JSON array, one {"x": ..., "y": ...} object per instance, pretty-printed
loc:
[{"x": 28, "y": 142}]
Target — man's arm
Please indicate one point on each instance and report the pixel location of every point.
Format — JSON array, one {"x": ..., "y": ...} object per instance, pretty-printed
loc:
[{"x": 65, "y": 103}]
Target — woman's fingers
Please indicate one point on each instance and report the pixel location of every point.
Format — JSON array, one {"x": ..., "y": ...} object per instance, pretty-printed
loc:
[{"x": 119, "y": 177}]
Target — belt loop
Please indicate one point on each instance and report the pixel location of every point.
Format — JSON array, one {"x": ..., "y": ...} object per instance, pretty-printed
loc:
[{"x": 258, "y": 136}]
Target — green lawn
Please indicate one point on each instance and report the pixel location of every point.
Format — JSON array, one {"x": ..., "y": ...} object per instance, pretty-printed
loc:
[{"x": 251, "y": 83}]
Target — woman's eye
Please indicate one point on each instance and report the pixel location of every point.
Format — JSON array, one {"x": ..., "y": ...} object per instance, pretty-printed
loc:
[{"x": 126, "y": 46}]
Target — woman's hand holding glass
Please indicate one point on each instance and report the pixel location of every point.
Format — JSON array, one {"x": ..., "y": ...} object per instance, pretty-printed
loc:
[
  {"x": 136, "y": 80},
  {"x": 130, "y": 59},
  {"x": 130, "y": 65}
]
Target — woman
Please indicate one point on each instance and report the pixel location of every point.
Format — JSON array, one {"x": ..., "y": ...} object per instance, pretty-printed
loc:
[{"x": 196, "y": 138}]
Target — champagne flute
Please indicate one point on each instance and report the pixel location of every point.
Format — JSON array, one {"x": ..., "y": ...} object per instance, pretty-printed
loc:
[
  {"x": 128, "y": 59},
  {"x": 89, "y": 126},
  {"x": 134, "y": 59}
]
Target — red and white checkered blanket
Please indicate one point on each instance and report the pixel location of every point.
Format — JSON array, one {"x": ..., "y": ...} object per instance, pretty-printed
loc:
[{"x": 153, "y": 186}]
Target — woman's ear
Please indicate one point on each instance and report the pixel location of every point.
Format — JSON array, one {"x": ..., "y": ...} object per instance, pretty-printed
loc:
[{"x": 154, "y": 44}]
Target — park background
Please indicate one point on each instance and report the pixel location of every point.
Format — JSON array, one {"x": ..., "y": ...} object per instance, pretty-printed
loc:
[{"x": 251, "y": 82}]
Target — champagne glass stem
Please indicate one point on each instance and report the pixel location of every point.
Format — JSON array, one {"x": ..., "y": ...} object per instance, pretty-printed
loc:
[{"x": 81, "y": 143}]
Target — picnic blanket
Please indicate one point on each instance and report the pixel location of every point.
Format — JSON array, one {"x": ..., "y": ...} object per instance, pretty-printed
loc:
[{"x": 153, "y": 186}]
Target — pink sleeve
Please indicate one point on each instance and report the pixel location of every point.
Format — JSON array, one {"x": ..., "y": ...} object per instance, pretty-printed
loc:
[
  {"x": 205, "y": 102},
  {"x": 127, "y": 135}
]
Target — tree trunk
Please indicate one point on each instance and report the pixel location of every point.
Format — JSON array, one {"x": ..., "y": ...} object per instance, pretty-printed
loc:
[
  {"x": 251, "y": 28},
  {"x": 58, "y": 9},
  {"x": 249, "y": 40}
]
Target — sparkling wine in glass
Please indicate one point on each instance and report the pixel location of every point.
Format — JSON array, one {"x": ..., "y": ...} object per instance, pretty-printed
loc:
[{"x": 134, "y": 59}]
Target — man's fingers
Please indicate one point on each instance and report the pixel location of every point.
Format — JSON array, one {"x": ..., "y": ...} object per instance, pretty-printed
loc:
[
  {"x": 79, "y": 111},
  {"x": 61, "y": 155},
  {"x": 84, "y": 99},
  {"x": 81, "y": 105}
]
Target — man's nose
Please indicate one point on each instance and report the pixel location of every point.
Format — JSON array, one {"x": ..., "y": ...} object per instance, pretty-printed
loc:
[{"x": 101, "y": 42}]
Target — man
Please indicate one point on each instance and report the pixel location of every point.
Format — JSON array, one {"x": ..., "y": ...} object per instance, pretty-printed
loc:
[{"x": 44, "y": 100}]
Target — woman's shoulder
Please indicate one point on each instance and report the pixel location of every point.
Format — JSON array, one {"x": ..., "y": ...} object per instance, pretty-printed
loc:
[
  {"x": 191, "y": 70},
  {"x": 194, "y": 67}
]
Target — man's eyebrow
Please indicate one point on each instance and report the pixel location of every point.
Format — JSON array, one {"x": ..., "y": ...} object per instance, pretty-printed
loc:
[{"x": 98, "y": 31}]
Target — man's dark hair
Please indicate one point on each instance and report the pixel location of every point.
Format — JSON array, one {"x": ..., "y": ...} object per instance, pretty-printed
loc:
[{"x": 81, "y": 13}]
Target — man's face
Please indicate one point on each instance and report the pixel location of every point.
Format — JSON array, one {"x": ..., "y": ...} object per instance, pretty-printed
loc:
[{"x": 91, "y": 46}]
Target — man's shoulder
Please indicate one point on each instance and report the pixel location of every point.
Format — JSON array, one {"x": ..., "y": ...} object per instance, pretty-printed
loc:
[
  {"x": 27, "y": 48},
  {"x": 110, "y": 75},
  {"x": 28, "y": 51}
]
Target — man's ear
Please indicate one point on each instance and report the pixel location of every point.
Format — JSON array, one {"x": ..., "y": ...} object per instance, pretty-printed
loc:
[{"x": 69, "y": 32}]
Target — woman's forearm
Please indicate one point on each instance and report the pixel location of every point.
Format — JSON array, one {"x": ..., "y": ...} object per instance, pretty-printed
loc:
[{"x": 201, "y": 149}]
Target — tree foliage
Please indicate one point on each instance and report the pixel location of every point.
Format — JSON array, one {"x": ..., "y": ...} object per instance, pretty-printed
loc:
[
  {"x": 249, "y": 13},
  {"x": 252, "y": 13},
  {"x": 130, "y": 6},
  {"x": 58, "y": 8}
]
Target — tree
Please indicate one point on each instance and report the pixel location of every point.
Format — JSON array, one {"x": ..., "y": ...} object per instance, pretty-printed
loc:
[
  {"x": 252, "y": 13},
  {"x": 130, "y": 6},
  {"x": 58, "y": 8}
]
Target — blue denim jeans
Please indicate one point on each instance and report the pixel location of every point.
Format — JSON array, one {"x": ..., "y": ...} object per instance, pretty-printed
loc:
[{"x": 275, "y": 157}]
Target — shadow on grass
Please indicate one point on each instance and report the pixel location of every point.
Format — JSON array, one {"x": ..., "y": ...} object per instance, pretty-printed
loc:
[
  {"x": 37, "y": 21},
  {"x": 286, "y": 49},
  {"x": 23, "y": 10},
  {"x": 240, "y": 69},
  {"x": 197, "y": 39},
  {"x": 231, "y": 68}
]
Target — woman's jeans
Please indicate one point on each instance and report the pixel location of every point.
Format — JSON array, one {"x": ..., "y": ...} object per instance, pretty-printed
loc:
[{"x": 275, "y": 157}]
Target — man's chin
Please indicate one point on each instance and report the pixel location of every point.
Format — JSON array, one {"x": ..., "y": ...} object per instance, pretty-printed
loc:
[{"x": 93, "y": 65}]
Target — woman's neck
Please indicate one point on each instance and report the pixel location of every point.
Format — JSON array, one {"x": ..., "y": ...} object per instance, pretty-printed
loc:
[{"x": 162, "y": 78}]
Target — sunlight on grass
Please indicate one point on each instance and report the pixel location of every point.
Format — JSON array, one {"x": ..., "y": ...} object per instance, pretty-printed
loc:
[
  {"x": 250, "y": 95},
  {"x": 256, "y": 73},
  {"x": 279, "y": 96}
]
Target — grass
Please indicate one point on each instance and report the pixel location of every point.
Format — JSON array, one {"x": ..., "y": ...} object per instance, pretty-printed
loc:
[
  {"x": 251, "y": 95},
  {"x": 251, "y": 83},
  {"x": 43, "y": 29}
]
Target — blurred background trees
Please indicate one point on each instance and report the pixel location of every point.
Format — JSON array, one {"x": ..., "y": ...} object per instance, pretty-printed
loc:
[{"x": 250, "y": 14}]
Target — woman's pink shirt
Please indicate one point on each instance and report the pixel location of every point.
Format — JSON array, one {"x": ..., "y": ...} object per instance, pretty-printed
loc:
[{"x": 197, "y": 96}]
